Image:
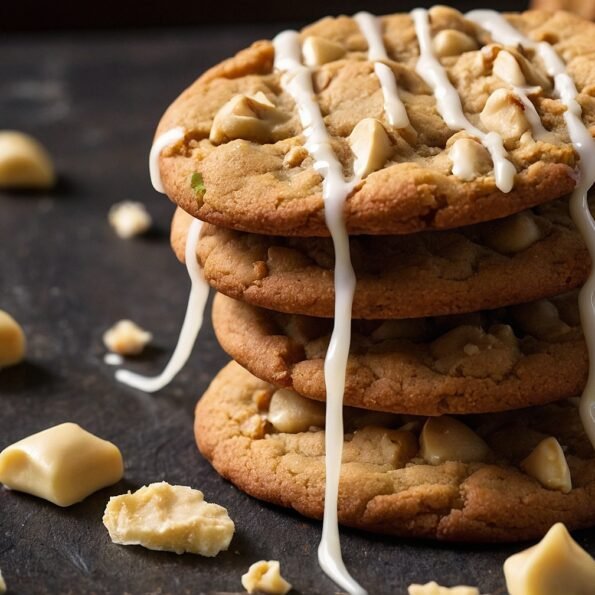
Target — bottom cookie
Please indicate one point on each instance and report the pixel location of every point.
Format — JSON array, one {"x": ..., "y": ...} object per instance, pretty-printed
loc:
[{"x": 387, "y": 486}]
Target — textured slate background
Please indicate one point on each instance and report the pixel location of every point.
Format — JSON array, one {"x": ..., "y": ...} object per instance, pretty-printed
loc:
[{"x": 94, "y": 100}]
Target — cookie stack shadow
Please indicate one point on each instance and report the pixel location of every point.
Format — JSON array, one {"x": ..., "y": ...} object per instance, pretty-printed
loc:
[{"x": 467, "y": 356}]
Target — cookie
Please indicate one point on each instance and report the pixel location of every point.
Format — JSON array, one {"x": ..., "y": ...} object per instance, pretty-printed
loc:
[
  {"x": 424, "y": 274},
  {"x": 243, "y": 133},
  {"x": 386, "y": 486},
  {"x": 529, "y": 355}
]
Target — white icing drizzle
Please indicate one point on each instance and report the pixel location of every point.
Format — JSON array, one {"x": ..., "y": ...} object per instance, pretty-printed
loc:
[
  {"x": 393, "y": 106},
  {"x": 190, "y": 327},
  {"x": 167, "y": 138},
  {"x": 539, "y": 132},
  {"x": 583, "y": 142},
  {"x": 449, "y": 105},
  {"x": 297, "y": 80}
]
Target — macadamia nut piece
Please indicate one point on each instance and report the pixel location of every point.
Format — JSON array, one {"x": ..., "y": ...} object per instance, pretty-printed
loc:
[
  {"x": 129, "y": 218},
  {"x": 451, "y": 42},
  {"x": 24, "y": 162},
  {"x": 265, "y": 576},
  {"x": 370, "y": 145},
  {"x": 12, "y": 341},
  {"x": 318, "y": 51},
  {"x": 126, "y": 338},
  {"x": 547, "y": 464},
  {"x": 504, "y": 114},
  {"x": 292, "y": 413}
]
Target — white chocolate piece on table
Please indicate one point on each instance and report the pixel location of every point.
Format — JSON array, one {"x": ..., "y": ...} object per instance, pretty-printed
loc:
[
  {"x": 169, "y": 518},
  {"x": 434, "y": 588},
  {"x": 450, "y": 42},
  {"x": 24, "y": 162},
  {"x": 557, "y": 565},
  {"x": 512, "y": 234},
  {"x": 445, "y": 438},
  {"x": 12, "y": 341},
  {"x": 370, "y": 145},
  {"x": 318, "y": 51},
  {"x": 548, "y": 465},
  {"x": 292, "y": 413},
  {"x": 504, "y": 114},
  {"x": 63, "y": 464},
  {"x": 2, "y": 584},
  {"x": 126, "y": 338},
  {"x": 265, "y": 577},
  {"x": 129, "y": 219}
]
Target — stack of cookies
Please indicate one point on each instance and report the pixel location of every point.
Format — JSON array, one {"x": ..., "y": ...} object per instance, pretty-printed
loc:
[{"x": 467, "y": 353}]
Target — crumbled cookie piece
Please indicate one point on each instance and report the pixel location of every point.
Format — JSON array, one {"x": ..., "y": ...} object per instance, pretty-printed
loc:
[
  {"x": 434, "y": 588},
  {"x": 12, "y": 341},
  {"x": 63, "y": 464},
  {"x": 265, "y": 576},
  {"x": 292, "y": 413},
  {"x": 126, "y": 338},
  {"x": 24, "y": 162},
  {"x": 548, "y": 465},
  {"x": 556, "y": 565},
  {"x": 129, "y": 218},
  {"x": 169, "y": 518}
]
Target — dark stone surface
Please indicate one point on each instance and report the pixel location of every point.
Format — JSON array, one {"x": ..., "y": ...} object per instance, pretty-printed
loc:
[{"x": 94, "y": 101}]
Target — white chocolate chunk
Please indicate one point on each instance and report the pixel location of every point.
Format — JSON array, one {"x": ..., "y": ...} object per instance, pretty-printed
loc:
[
  {"x": 126, "y": 338},
  {"x": 247, "y": 117},
  {"x": 2, "y": 584},
  {"x": 541, "y": 319},
  {"x": 434, "y": 588},
  {"x": 265, "y": 576},
  {"x": 547, "y": 464},
  {"x": 63, "y": 464},
  {"x": 169, "y": 518},
  {"x": 512, "y": 234},
  {"x": 504, "y": 114},
  {"x": 450, "y": 42},
  {"x": 318, "y": 50},
  {"x": 557, "y": 565},
  {"x": 12, "y": 341},
  {"x": 508, "y": 69},
  {"x": 445, "y": 438},
  {"x": 292, "y": 413},
  {"x": 370, "y": 145},
  {"x": 24, "y": 163},
  {"x": 129, "y": 218},
  {"x": 469, "y": 159}
]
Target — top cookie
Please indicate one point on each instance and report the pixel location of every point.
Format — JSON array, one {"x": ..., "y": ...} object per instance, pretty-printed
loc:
[{"x": 244, "y": 136}]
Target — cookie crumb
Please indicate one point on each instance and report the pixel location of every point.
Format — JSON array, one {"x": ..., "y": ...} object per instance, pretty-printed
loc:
[
  {"x": 265, "y": 576},
  {"x": 434, "y": 588},
  {"x": 12, "y": 341},
  {"x": 126, "y": 338},
  {"x": 129, "y": 219}
]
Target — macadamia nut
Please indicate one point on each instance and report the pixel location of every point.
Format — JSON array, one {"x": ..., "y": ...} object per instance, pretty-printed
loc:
[
  {"x": 24, "y": 163},
  {"x": 292, "y": 413},
  {"x": 126, "y": 338},
  {"x": 547, "y": 464},
  {"x": 265, "y": 576},
  {"x": 12, "y": 341},
  {"x": 129, "y": 218}
]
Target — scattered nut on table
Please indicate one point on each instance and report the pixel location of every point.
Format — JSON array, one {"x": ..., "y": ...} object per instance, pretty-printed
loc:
[
  {"x": 434, "y": 588},
  {"x": 126, "y": 338},
  {"x": 2, "y": 584},
  {"x": 24, "y": 162},
  {"x": 12, "y": 341},
  {"x": 129, "y": 219},
  {"x": 265, "y": 577}
]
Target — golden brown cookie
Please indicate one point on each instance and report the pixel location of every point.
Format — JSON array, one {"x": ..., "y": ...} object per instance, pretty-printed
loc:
[
  {"x": 424, "y": 274},
  {"x": 529, "y": 355},
  {"x": 245, "y": 139},
  {"x": 386, "y": 484}
]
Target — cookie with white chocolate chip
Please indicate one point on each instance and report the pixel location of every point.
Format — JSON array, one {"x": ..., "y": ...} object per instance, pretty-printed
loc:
[
  {"x": 403, "y": 476},
  {"x": 244, "y": 136},
  {"x": 423, "y": 274},
  {"x": 530, "y": 354}
]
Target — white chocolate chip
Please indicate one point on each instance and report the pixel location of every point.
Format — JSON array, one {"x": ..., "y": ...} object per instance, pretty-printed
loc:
[
  {"x": 469, "y": 159},
  {"x": 557, "y": 565},
  {"x": 512, "y": 234},
  {"x": 434, "y": 588},
  {"x": 318, "y": 51},
  {"x": 129, "y": 218},
  {"x": 508, "y": 69},
  {"x": 247, "y": 117},
  {"x": 547, "y": 464},
  {"x": 265, "y": 576},
  {"x": 445, "y": 438},
  {"x": 126, "y": 338},
  {"x": 12, "y": 341},
  {"x": 63, "y": 464},
  {"x": 169, "y": 518},
  {"x": 292, "y": 413},
  {"x": 24, "y": 163},
  {"x": 504, "y": 114},
  {"x": 451, "y": 42},
  {"x": 370, "y": 145},
  {"x": 541, "y": 320}
]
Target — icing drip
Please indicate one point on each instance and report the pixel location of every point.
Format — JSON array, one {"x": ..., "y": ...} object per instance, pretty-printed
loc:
[
  {"x": 583, "y": 142},
  {"x": 190, "y": 327},
  {"x": 393, "y": 106},
  {"x": 165, "y": 140},
  {"x": 539, "y": 132},
  {"x": 449, "y": 105},
  {"x": 297, "y": 80}
]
